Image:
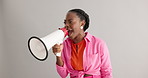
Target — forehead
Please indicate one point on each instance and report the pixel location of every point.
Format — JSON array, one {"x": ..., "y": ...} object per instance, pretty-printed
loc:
[{"x": 71, "y": 15}]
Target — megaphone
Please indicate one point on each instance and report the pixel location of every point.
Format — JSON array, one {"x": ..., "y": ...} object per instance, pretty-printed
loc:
[{"x": 39, "y": 47}]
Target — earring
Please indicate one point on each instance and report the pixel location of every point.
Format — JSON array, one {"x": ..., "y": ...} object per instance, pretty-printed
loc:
[{"x": 81, "y": 27}]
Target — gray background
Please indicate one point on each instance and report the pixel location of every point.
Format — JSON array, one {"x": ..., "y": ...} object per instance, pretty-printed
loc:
[{"x": 123, "y": 24}]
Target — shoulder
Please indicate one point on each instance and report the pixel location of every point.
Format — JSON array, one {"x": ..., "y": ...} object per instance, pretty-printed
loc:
[
  {"x": 94, "y": 39},
  {"x": 67, "y": 41}
]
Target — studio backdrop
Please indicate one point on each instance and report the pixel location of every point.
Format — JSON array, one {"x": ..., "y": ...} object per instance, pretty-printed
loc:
[{"x": 122, "y": 24}]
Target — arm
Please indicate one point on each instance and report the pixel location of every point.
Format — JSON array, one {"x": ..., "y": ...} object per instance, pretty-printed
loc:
[
  {"x": 106, "y": 69},
  {"x": 60, "y": 65},
  {"x": 59, "y": 61}
]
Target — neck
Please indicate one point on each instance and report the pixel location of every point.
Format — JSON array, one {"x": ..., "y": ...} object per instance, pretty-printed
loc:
[{"x": 79, "y": 38}]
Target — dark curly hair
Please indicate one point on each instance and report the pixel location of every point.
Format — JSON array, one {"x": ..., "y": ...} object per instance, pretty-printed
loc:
[{"x": 83, "y": 16}]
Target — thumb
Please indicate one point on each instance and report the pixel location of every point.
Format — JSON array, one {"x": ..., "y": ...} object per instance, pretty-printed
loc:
[{"x": 61, "y": 46}]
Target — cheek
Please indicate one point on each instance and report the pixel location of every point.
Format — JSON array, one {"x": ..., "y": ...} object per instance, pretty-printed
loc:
[
  {"x": 75, "y": 26},
  {"x": 72, "y": 26}
]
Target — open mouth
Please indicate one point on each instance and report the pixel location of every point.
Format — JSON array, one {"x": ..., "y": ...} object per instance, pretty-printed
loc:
[{"x": 70, "y": 32}]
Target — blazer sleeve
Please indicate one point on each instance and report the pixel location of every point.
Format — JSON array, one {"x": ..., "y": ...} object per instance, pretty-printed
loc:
[
  {"x": 62, "y": 70},
  {"x": 105, "y": 68}
]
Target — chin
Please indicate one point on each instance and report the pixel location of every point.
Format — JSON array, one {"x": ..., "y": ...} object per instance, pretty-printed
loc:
[{"x": 71, "y": 37}]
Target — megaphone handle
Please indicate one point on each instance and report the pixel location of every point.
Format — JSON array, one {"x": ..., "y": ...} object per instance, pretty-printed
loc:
[{"x": 59, "y": 53}]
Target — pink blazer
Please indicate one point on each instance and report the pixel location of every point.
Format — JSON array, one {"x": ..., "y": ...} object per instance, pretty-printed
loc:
[{"x": 96, "y": 59}]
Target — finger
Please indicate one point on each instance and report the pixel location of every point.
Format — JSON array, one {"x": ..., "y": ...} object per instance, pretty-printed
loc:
[
  {"x": 61, "y": 46},
  {"x": 56, "y": 50},
  {"x": 56, "y": 46}
]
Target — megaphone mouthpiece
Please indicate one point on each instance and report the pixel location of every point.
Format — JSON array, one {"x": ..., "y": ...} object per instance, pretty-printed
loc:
[{"x": 64, "y": 30}]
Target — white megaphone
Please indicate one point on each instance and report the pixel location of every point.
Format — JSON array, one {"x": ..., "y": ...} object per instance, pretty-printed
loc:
[{"x": 39, "y": 47}]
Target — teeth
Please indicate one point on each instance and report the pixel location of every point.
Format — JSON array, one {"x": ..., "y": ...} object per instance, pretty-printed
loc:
[{"x": 70, "y": 29}]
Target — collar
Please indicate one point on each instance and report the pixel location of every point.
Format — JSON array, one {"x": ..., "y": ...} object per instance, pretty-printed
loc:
[{"x": 87, "y": 37}]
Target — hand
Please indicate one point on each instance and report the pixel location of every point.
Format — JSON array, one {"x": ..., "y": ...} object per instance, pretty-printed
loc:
[{"x": 57, "y": 49}]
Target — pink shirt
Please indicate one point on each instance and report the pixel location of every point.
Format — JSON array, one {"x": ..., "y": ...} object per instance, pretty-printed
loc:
[{"x": 96, "y": 59}]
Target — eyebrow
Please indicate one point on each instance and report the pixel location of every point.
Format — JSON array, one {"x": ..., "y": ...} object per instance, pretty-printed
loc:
[{"x": 68, "y": 20}]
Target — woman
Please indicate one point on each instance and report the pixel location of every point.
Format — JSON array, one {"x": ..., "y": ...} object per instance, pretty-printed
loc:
[{"x": 83, "y": 55}]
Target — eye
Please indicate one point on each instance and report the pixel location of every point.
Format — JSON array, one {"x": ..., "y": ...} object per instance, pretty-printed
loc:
[
  {"x": 70, "y": 22},
  {"x": 64, "y": 22}
]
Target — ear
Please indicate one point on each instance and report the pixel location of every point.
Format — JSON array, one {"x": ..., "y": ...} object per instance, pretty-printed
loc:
[{"x": 82, "y": 22}]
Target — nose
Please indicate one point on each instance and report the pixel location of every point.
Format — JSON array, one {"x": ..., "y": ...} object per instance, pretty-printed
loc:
[{"x": 67, "y": 26}]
